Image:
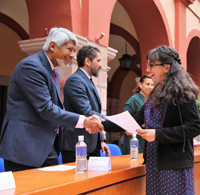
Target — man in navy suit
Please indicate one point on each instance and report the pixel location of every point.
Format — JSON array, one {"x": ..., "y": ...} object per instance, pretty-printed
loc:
[
  {"x": 32, "y": 130},
  {"x": 81, "y": 96}
]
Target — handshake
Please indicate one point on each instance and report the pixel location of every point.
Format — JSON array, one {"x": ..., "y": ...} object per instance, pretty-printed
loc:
[{"x": 92, "y": 124}]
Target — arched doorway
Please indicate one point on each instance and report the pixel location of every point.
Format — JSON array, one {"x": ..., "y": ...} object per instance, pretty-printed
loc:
[
  {"x": 193, "y": 57},
  {"x": 143, "y": 25}
]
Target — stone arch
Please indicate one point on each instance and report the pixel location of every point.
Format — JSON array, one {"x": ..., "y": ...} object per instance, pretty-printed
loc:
[
  {"x": 11, "y": 33},
  {"x": 192, "y": 34},
  {"x": 143, "y": 15},
  {"x": 193, "y": 57},
  {"x": 14, "y": 26},
  {"x": 148, "y": 36},
  {"x": 114, "y": 85}
]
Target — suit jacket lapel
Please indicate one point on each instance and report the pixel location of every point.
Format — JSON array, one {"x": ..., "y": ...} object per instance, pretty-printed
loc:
[
  {"x": 96, "y": 93},
  {"x": 89, "y": 82},
  {"x": 47, "y": 65}
]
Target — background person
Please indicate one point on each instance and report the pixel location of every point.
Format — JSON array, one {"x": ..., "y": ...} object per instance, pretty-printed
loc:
[
  {"x": 133, "y": 104},
  {"x": 29, "y": 137},
  {"x": 172, "y": 121},
  {"x": 81, "y": 96}
]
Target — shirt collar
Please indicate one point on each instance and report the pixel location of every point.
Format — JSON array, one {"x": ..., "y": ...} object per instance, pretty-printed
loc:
[
  {"x": 51, "y": 64},
  {"x": 85, "y": 73}
]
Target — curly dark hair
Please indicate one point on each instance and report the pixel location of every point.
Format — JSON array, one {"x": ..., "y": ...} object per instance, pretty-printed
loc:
[
  {"x": 142, "y": 78},
  {"x": 87, "y": 51},
  {"x": 178, "y": 84}
]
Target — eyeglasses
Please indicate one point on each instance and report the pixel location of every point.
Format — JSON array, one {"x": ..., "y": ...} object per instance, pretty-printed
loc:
[{"x": 149, "y": 66}]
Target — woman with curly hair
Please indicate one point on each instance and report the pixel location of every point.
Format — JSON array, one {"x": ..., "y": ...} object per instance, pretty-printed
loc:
[{"x": 171, "y": 122}]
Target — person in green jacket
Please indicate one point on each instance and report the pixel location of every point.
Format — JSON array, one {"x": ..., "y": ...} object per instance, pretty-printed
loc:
[{"x": 133, "y": 104}]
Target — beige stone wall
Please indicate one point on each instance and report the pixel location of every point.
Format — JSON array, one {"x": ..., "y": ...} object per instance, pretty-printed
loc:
[
  {"x": 195, "y": 7},
  {"x": 10, "y": 52},
  {"x": 192, "y": 16},
  {"x": 169, "y": 8},
  {"x": 192, "y": 19}
]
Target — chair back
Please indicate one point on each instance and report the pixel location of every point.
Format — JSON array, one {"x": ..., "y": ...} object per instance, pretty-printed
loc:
[
  {"x": 60, "y": 159},
  {"x": 2, "y": 165},
  {"x": 114, "y": 149}
]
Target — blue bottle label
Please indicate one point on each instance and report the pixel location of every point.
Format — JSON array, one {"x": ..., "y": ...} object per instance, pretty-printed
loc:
[
  {"x": 81, "y": 151},
  {"x": 134, "y": 145}
]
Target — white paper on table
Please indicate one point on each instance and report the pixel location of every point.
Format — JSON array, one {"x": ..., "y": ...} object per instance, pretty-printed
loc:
[
  {"x": 99, "y": 163},
  {"x": 125, "y": 121},
  {"x": 57, "y": 168},
  {"x": 7, "y": 181}
]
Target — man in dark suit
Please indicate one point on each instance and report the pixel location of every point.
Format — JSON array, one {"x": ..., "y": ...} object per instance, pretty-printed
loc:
[
  {"x": 81, "y": 96},
  {"x": 31, "y": 133}
]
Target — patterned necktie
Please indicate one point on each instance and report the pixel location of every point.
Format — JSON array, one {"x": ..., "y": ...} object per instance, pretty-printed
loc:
[{"x": 55, "y": 74}]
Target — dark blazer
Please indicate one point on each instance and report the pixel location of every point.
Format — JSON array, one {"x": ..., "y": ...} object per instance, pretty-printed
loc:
[
  {"x": 81, "y": 96},
  {"x": 34, "y": 113},
  {"x": 175, "y": 148}
]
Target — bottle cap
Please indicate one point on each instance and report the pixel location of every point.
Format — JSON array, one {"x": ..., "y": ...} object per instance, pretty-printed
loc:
[
  {"x": 81, "y": 137},
  {"x": 134, "y": 135}
]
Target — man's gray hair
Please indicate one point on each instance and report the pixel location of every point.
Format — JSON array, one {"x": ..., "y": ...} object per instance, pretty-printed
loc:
[{"x": 60, "y": 36}]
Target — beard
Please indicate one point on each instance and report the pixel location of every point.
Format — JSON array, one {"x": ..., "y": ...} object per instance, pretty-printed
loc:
[
  {"x": 94, "y": 71},
  {"x": 62, "y": 62}
]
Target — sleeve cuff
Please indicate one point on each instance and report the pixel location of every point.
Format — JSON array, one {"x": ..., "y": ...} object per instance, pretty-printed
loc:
[
  {"x": 80, "y": 123},
  {"x": 158, "y": 135}
]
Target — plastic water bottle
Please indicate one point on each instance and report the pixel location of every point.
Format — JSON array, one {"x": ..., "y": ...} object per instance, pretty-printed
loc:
[
  {"x": 134, "y": 147},
  {"x": 81, "y": 155}
]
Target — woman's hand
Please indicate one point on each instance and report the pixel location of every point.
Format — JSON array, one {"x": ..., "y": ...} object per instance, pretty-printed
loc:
[
  {"x": 148, "y": 134},
  {"x": 127, "y": 133}
]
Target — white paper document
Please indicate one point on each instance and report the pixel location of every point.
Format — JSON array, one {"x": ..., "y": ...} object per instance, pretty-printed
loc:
[
  {"x": 57, "y": 168},
  {"x": 7, "y": 181},
  {"x": 125, "y": 120},
  {"x": 99, "y": 164}
]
